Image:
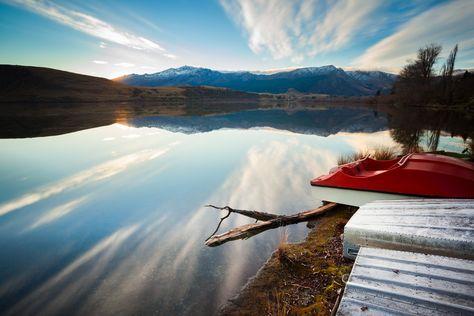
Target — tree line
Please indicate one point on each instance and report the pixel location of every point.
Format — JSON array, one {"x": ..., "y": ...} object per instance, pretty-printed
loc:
[{"x": 419, "y": 84}]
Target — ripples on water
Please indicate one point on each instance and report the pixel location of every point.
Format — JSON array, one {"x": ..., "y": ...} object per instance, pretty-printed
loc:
[{"x": 110, "y": 220}]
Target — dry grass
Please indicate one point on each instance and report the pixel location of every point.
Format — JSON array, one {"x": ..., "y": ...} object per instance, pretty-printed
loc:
[
  {"x": 283, "y": 238},
  {"x": 308, "y": 283},
  {"x": 281, "y": 251},
  {"x": 470, "y": 149},
  {"x": 343, "y": 159},
  {"x": 379, "y": 153},
  {"x": 278, "y": 306}
]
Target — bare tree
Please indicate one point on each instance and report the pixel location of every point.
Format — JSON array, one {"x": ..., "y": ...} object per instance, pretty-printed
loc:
[
  {"x": 419, "y": 86},
  {"x": 447, "y": 77},
  {"x": 448, "y": 67},
  {"x": 415, "y": 84},
  {"x": 427, "y": 57}
]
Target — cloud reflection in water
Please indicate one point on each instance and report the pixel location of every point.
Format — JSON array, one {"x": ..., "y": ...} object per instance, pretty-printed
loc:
[
  {"x": 135, "y": 244},
  {"x": 57, "y": 212},
  {"x": 97, "y": 173}
]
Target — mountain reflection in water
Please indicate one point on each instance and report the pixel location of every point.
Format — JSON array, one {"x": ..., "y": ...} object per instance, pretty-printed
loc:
[
  {"x": 322, "y": 121},
  {"x": 110, "y": 220}
]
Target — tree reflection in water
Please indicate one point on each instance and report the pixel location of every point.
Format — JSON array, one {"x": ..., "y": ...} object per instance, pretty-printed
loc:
[{"x": 412, "y": 127}]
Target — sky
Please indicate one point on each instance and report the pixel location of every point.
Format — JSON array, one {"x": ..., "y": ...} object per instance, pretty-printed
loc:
[{"x": 110, "y": 38}]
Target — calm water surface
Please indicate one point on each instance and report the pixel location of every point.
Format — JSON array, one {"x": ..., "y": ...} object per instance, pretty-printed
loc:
[{"x": 111, "y": 220}]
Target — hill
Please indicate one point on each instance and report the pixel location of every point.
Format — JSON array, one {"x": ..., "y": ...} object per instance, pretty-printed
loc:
[{"x": 45, "y": 85}]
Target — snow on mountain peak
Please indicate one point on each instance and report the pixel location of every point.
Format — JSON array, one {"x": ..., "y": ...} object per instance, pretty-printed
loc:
[
  {"x": 317, "y": 70},
  {"x": 184, "y": 70}
]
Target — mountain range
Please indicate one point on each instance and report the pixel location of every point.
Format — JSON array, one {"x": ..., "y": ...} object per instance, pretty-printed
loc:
[{"x": 320, "y": 80}]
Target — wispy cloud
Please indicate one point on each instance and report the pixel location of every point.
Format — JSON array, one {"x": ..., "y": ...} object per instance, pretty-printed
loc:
[
  {"x": 341, "y": 22},
  {"x": 170, "y": 56},
  {"x": 147, "y": 67},
  {"x": 100, "y": 62},
  {"x": 90, "y": 25},
  {"x": 298, "y": 29},
  {"x": 446, "y": 24},
  {"x": 125, "y": 65}
]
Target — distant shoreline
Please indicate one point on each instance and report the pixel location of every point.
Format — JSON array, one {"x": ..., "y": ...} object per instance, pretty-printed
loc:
[{"x": 37, "y": 101}]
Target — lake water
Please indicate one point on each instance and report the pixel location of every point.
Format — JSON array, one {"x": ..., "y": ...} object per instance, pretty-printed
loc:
[{"x": 110, "y": 220}]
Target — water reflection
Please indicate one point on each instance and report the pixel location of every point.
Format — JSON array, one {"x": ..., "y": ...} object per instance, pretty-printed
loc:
[
  {"x": 96, "y": 173},
  {"x": 320, "y": 121},
  {"x": 57, "y": 212},
  {"x": 414, "y": 129},
  {"x": 417, "y": 129},
  {"x": 110, "y": 220}
]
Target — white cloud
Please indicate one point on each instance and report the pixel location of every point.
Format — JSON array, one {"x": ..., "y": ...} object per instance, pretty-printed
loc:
[
  {"x": 125, "y": 65},
  {"x": 446, "y": 24},
  {"x": 100, "y": 62},
  {"x": 170, "y": 56},
  {"x": 297, "y": 29},
  {"x": 90, "y": 25},
  {"x": 340, "y": 24}
]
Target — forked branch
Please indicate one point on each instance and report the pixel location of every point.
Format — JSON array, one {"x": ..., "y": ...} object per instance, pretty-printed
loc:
[
  {"x": 269, "y": 221},
  {"x": 260, "y": 216}
]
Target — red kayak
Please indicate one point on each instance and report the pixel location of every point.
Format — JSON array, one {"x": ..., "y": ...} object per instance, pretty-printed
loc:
[{"x": 426, "y": 175}]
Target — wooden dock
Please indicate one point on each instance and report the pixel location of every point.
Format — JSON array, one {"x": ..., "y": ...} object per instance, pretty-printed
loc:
[
  {"x": 392, "y": 282},
  {"x": 412, "y": 256},
  {"x": 435, "y": 226}
]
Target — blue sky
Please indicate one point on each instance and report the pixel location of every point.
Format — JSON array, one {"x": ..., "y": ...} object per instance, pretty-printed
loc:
[{"x": 110, "y": 38}]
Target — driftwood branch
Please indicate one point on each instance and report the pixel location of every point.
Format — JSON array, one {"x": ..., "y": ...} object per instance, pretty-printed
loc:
[
  {"x": 260, "y": 216},
  {"x": 272, "y": 221},
  {"x": 218, "y": 225}
]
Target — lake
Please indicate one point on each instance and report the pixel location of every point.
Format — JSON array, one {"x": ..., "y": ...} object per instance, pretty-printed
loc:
[{"x": 110, "y": 220}]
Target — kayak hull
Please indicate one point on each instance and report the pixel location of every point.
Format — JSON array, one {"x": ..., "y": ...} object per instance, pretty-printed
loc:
[
  {"x": 422, "y": 175},
  {"x": 353, "y": 197}
]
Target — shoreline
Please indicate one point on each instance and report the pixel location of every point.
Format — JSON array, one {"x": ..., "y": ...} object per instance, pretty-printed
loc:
[{"x": 299, "y": 278}]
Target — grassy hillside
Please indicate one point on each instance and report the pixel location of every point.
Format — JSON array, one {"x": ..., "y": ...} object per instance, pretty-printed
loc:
[{"x": 35, "y": 84}]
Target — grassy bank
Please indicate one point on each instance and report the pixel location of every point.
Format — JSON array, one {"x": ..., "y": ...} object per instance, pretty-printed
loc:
[
  {"x": 302, "y": 278},
  {"x": 378, "y": 153}
]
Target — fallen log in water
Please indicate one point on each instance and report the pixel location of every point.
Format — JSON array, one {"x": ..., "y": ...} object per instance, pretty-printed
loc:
[{"x": 270, "y": 221}]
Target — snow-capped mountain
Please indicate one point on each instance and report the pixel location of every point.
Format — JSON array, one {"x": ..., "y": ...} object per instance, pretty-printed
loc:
[
  {"x": 325, "y": 80},
  {"x": 370, "y": 75},
  {"x": 377, "y": 80},
  {"x": 185, "y": 70}
]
